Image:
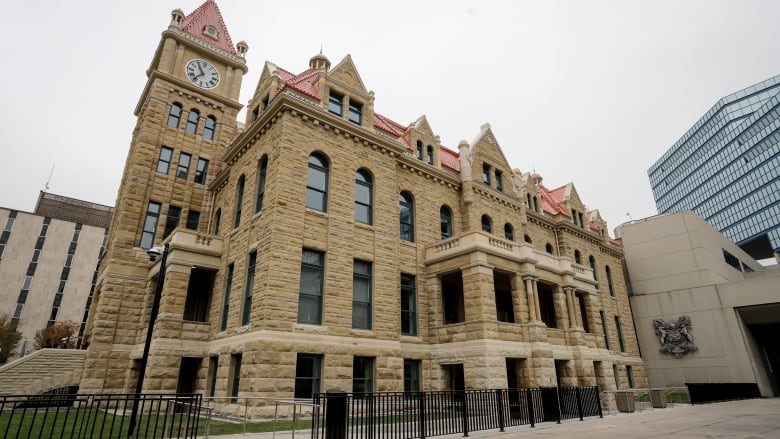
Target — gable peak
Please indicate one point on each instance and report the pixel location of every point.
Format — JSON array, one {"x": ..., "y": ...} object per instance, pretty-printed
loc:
[{"x": 205, "y": 23}]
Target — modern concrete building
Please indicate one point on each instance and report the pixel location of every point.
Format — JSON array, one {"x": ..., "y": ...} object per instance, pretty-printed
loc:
[
  {"x": 320, "y": 245},
  {"x": 726, "y": 168},
  {"x": 705, "y": 311},
  {"x": 48, "y": 262}
]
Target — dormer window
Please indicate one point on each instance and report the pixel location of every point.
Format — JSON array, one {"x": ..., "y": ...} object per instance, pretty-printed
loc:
[
  {"x": 499, "y": 181},
  {"x": 419, "y": 150},
  {"x": 211, "y": 31},
  {"x": 336, "y": 103},
  {"x": 355, "y": 112},
  {"x": 264, "y": 103},
  {"x": 255, "y": 113},
  {"x": 486, "y": 174},
  {"x": 430, "y": 155}
]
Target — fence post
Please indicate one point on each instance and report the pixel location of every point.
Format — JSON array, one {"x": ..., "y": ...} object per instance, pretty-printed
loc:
[
  {"x": 336, "y": 415},
  {"x": 579, "y": 401},
  {"x": 598, "y": 401},
  {"x": 530, "y": 399},
  {"x": 500, "y": 404},
  {"x": 558, "y": 404},
  {"x": 465, "y": 413},
  {"x": 421, "y": 414}
]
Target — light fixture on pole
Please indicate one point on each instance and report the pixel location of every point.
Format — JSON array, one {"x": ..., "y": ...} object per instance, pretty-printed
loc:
[{"x": 153, "y": 253}]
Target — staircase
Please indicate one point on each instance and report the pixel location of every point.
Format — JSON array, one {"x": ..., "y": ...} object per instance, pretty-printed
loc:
[{"x": 42, "y": 370}]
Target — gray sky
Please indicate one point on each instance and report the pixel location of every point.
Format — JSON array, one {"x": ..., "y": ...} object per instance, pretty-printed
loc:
[{"x": 591, "y": 92}]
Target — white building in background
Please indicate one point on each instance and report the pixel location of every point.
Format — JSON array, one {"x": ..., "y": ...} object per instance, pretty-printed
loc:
[
  {"x": 48, "y": 262},
  {"x": 705, "y": 311}
]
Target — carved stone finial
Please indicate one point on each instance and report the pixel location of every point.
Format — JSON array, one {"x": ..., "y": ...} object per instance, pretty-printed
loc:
[{"x": 675, "y": 338}]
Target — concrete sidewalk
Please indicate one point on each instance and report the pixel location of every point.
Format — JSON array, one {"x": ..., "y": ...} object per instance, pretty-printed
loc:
[{"x": 753, "y": 418}]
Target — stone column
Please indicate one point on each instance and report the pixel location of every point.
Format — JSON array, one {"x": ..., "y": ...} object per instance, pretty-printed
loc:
[
  {"x": 536, "y": 300},
  {"x": 530, "y": 290},
  {"x": 522, "y": 310},
  {"x": 479, "y": 298},
  {"x": 571, "y": 305},
  {"x": 561, "y": 304}
]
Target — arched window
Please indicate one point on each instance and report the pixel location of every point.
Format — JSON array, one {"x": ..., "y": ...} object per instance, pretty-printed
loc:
[
  {"x": 609, "y": 281},
  {"x": 430, "y": 155},
  {"x": 239, "y": 200},
  {"x": 592, "y": 262},
  {"x": 528, "y": 199},
  {"x": 208, "y": 129},
  {"x": 192, "y": 121},
  {"x": 445, "y": 216},
  {"x": 406, "y": 216},
  {"x": 536, "y": 204},
  {"x": 527, "y": 239},
  {"x": 317, "y": 183},
  {"x": 419, "y": 150},
  {"x": 509, "y": 232},
  {"x": 174, "y": 115},
  {"x": 262, "y": 169},
  {"x": 577, "y": 257},
  {"x": 487, "y": 224},
  {"x": 548, "y": 248},
  {"x": 364, "y": 197},
  {"x": 217, "y": 219}
]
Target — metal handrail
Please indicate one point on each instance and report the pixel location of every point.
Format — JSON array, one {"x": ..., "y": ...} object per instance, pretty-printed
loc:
[{"x": 288, "y": 401}]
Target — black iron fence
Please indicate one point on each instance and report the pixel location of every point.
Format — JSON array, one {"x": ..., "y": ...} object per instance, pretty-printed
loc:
[
  {"x": 60, "y": 414},
  {"x": 425, "y": 414}
]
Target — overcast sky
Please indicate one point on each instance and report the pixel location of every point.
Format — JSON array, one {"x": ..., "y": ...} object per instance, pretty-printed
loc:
[{"x": 591, "y": 92}]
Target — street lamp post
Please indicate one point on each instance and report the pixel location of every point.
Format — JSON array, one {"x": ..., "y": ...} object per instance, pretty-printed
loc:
[{"x": 153, "y": 253}]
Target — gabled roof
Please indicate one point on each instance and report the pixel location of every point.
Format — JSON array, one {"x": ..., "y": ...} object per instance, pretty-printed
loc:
[
  {"x": 550, "y": 201},
  {"x": 208, "y": 14},
  {"x": 449, "y": 158}
]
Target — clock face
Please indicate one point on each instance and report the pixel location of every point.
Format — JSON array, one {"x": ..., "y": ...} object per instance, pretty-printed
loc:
[{"x": 202, "y": 73}]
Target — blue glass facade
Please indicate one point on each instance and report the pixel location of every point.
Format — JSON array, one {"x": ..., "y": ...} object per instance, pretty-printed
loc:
[{"x": 726, "y": 168}]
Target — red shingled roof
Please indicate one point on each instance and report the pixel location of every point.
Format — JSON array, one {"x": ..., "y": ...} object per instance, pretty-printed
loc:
[
  {"x": 550, "y": 201},
  {"x": 205, "y": 15},
  {"x": 449, "y": 158}
]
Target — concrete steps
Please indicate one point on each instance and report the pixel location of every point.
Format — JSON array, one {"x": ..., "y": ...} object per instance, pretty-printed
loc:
[{"x": 42, "y": 370}]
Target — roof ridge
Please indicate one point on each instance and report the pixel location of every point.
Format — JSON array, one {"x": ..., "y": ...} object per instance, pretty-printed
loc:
[{"x": 208, "y": 14}]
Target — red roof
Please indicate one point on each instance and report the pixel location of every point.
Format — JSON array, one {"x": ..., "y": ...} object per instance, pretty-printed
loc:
[
  {"x": 449, "y": 158},
  {"x": 208, "y": 14},
  {"x": 550, "y": 201}
]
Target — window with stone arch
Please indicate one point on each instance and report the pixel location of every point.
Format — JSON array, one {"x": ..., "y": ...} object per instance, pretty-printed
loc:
[
  {"x": 364, "y": 197},
  {"x": 262, "y": 170},
  {"x": 317, "y": 182},
  {"x": 609, "y": 280},
  {"x": 174, "y": 115},
  {"x": 239, "y": 201},
  {"x": 445, "y": 217},
  {"x": 509, "y": 232},
  {"x": 592, "y": 262},
  {"x": 217, "y": 219},
  {"x": 192, "y": 121},
  {"x": 406, "y": 216},
  {"x": 209, "y": 128},
  {"x": 549, "y": 248},
  {"x": 487, "y": 224},
  {"x": 527, "y": 239},
  {"x": 577, "y": 257},
  {"x": 430, "y": 154}
]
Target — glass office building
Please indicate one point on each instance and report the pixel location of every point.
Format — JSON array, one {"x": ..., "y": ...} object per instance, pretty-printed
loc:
[{"x": 726, "y": 168}]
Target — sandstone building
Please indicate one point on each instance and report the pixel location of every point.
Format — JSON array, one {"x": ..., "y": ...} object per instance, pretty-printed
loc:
[{"x": 319, "y": 245}]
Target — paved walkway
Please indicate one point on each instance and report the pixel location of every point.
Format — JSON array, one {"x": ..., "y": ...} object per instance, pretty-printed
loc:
[{"x": 754, "y": 418}]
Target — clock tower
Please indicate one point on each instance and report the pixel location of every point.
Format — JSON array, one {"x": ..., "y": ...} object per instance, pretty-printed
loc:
[{"x": 186, "y": 118}]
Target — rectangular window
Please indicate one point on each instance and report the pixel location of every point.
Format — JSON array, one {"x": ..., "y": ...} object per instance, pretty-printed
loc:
[
  {"x": 408, "y": 305},
  {"x": 619, "y": 334},
  {"x": 355, "y": 112},
  {"x": 172, "y": 220},
  {"x": 411, "y": 376},
  {"x": 362, "y": 375},
  {"x": 361, "y": 295},
  {"x": 615, "y": 374},
  {"x": 630, "y": 377},
  {"x": 310, "y": 296},
  {"x": 213, "y": 368},
  {"x": 336, "y": 103},
  {"x": 250, "y": 283},
  {"x": 201, "y": 172},
  {"x": 486, "y": 174},
  {"x": 499, "y": 181},
  {"x": 235, "y": 377},
  {"x": 183, "y": 170},
  {"x": 150, "y": 225},
  {"x": 193, "y": 220},
  {"x": 308, "y": 369},
  {"x": 164, "y": 161},
  {"x": 604, "y": 328},
  {"x": 226, "y": 302}
]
